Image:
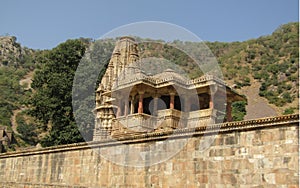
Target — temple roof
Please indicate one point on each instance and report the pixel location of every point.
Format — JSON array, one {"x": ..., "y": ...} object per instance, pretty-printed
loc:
[
  {"x": 169, "y": 74},
  {"x": 170, "y": 78},
  {"x": 127, "y": 71}
]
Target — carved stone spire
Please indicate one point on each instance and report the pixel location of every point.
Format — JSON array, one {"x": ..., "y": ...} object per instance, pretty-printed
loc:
[{"x": 125, "y": 53}]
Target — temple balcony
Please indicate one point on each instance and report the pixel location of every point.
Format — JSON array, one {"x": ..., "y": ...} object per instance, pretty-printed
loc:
[
  {"x": 138, "y": 122},
  {"x": 134, "y": 99},
  {"x": 166, "y": 119}
]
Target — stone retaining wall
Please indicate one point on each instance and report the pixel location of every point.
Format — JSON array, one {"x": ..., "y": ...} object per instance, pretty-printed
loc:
[{"x": 256, "y": 153}]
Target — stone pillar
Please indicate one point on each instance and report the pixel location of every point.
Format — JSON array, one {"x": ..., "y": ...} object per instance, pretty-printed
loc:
[
  {"x": 126, "y": 107},
  {"x": 118, "y": 112},
  {"x": 172, "y": 100},
  {"x": 132, "y": 105},
  {"x": 213, "y": 91},
  {"x": 228, "y": 111},
  {"x": 141, "y": 97},
  {"x": 211, "y": 101},
  {"x": 187, "y": 105},
  {"x": 155, "y": 103},
  {"x": 119, "y": 108}
]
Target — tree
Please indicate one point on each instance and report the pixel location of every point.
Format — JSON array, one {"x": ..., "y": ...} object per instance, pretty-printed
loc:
[
  {"x": 238, "y": 110},
  {"x": 51, "y": 103},
  {"x": 26, "y": 130},
  {"x": 11, "y": 93}
]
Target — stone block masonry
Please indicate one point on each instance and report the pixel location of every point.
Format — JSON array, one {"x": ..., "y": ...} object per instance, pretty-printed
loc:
[{"x": 254, "y": 153}]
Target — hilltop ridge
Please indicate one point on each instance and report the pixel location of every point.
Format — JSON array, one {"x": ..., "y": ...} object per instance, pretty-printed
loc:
[{"x": 265, "y": 69}]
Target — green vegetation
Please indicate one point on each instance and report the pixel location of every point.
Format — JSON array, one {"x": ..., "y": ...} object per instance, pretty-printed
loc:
[
  {"x": 289, "y": 111},
  {"x": 273, "y": 60},
  {"x": 15, "y": 63},
  {"x": 26, "y": 129},
  {"x": 51, "y": 103},
  {"x": 88, "y": 76},
  {"x": 48, "y": 117},
  {"x": 11, "y": 93},
  {"x": 238, "y": 110}
]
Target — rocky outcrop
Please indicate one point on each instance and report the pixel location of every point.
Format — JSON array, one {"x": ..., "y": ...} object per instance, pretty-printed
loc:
[{"x": 11, "y": 52}]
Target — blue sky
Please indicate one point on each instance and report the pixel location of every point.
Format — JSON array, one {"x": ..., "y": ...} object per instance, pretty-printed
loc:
[{"x": 44, "y": 24}]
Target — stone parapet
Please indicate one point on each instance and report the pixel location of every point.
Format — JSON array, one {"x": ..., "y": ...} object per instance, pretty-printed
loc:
[
  {"x": 255, "y": 153},
  {"x": 238, "y": 126}
]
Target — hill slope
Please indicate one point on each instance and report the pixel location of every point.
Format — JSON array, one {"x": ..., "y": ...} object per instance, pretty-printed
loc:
[
  {"x": 273, "y": 61},
  {"x": 264, "y": 69}
]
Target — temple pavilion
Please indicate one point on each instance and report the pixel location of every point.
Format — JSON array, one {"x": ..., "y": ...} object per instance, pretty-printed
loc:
[{"x": 130, "y": 101}]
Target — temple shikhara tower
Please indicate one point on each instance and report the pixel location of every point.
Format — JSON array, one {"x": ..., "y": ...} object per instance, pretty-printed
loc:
[{"x": 131, "y": 101}]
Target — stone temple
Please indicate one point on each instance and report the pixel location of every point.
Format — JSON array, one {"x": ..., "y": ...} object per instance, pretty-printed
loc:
[
  {"x": 130, "y": 101},
  {"x": 141, "y": 112}
]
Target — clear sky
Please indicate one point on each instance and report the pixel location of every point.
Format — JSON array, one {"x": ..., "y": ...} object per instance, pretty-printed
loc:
[{"x": 44, "y": 24}]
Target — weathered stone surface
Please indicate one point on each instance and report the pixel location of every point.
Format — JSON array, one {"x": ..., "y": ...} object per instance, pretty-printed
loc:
[
  {"x": 128, "y": 97},
  {"x": 234, "y": 162}
]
